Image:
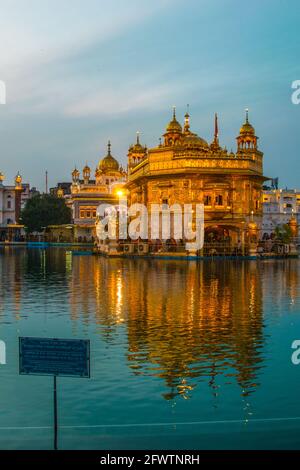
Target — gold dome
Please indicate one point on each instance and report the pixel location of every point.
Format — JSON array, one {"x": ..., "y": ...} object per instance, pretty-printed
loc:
[
  {"x": 194, "y": 141},
  {"x": 75, "y": 172},
  {"x": 18, "y": 179},
  {"x": 247, "y": 128},
  {"x": 174, "y": 125},
  {"x": 137, "y": 147},
  {"x": 108, "y": 163}
]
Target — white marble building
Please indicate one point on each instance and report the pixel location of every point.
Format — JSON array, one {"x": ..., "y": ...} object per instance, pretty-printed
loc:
[
  {"x": 279, "y": 205},
  {"x": 10, "y": 208}
]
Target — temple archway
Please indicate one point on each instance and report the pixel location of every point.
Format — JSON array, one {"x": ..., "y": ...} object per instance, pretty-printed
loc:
[{"x": 222, "y": 239}]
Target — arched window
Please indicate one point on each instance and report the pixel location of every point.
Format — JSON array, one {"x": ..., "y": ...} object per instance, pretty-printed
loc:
[
  {"x": 207, "y": 200},
  {"x": 219, "y": 200}
]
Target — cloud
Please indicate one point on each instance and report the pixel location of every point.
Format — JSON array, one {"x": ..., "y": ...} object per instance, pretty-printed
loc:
[
  {"x": 137, "y": 96},
  {"x": 45, "y": 45},
  {"x": 42, "y": 30}
]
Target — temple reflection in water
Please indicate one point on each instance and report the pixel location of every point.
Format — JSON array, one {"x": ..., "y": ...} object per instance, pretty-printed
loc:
[
  {"x": 190, "y": 324},
  {"x": 185, "y": 322}
]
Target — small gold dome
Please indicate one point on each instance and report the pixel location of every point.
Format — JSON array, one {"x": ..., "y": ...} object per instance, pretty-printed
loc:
[
  {"x": 247, "y": 128},
  {"x": 137, "y": 147},
  {"x": 18, "y": 179},
  {"x": 60, "y": 192},
  {"x": 108, "y": 163},
  {"x": 1, "y": 177},
  {"x": 194, "y": 141},
  {"x": 174, "y": 125}
]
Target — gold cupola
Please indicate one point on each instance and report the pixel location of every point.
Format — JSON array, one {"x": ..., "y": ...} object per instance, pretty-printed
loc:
[
  {"x": 173, "y": 132},
  {"x": 174, "y": 125},
  {"x": 136, "y": 152},
  {"x": 108, "y": 163},
  {"x": 137, "y": 147},
  {"x": 247, "y": 140},
  {"x": 86, "y": 172},
  {"x": 75, "y": 175},
  {"x": 18, "y": 181},
  {"x": 2, "y": 177},
  {"x": 247, "y": 128}
]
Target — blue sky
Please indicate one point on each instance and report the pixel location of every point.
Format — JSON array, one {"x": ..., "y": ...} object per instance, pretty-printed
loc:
[{"x": 82, "y": 72}]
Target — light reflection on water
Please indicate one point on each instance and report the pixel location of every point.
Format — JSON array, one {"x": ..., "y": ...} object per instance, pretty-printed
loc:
[{"x": 172, "y": 341}]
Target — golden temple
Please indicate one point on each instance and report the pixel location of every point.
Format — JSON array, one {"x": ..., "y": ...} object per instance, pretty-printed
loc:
[{"x": 184, "y": 168}]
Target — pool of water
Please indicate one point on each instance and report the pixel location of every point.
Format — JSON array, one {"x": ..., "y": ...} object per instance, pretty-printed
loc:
[{"x": 184, "y": 354}]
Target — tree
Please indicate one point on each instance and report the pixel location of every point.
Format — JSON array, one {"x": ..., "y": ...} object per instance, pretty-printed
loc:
[
  {"x": 43, "y": 210},
  {"x": 283, "y": 233}
]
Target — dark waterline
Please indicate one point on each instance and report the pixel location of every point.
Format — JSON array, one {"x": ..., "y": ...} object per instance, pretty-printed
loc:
[{"x": 184, "y": 354}]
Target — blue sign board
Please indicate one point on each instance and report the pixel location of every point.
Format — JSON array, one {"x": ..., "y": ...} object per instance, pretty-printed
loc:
[{"x": 58, "y": 357}]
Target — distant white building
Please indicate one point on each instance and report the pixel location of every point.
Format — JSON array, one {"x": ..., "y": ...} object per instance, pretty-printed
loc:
[
  {"x": 10, "y": 210},
  {"x": 279, "y": 205}
]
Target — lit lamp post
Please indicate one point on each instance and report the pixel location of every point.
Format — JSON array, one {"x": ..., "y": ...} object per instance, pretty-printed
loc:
[
  {"x": 253, "y": 232},
  {"x": 293, "y": 224}
]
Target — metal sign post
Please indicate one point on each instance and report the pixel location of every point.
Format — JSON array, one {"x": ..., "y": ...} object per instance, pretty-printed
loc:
[
  {"x": 55, "y": 412},
  {"x": 56, "y": 357}
]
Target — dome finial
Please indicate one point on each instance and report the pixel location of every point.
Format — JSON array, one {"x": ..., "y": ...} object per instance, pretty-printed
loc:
[
  {"x": 247, "y": 115},
  {"x": 187, "y": 120},
  {"x": 216, "y": 128},
  {"x": 174, "y": 112},
  {"x": 215, "y": 143},
  {"x": 138, "y": 137},
  {"x": 109, "y": 148}
]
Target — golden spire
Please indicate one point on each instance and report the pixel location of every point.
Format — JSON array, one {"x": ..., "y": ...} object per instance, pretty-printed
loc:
[
  {"x": 187, "y": 121},
  {"x": 215, "y": 146},
  {"x": 109, "y": 148},
  {"x": 247, "y": 115},
  {"x": 216, "y": 130}
]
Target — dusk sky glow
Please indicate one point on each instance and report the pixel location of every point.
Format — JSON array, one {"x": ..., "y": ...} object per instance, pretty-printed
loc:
[{"x": 82, "y": 72}]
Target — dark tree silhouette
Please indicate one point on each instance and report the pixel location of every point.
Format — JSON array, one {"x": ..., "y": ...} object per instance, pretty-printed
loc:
[{"x": 43, "y": 210}]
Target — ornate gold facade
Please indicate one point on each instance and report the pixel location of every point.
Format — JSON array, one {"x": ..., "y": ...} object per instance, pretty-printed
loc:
[
  {"x": 185, "y": 169},
  {"x": 87, "y": 194}
]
